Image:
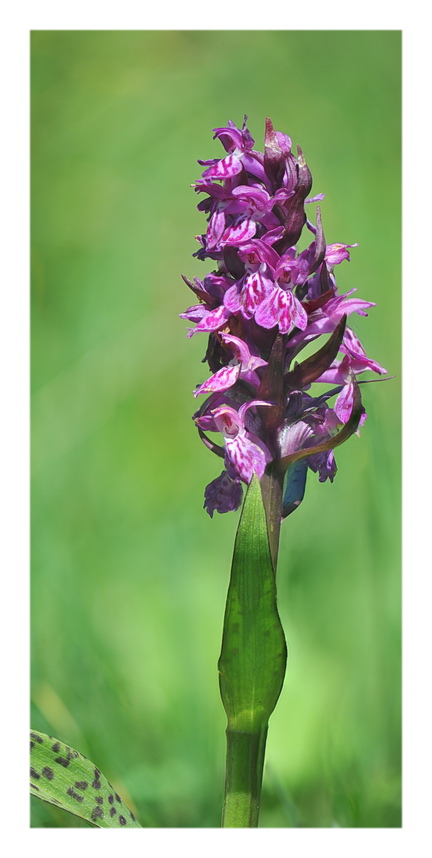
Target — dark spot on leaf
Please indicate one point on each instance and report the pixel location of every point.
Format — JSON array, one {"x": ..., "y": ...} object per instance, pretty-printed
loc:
[
  {"x": 111, "y": 799},
  {"x": 96, "y": 784},
  {"x": 31, "y": 745},
  {"x": 132, "y": 816},
  {"x": 112, "y": 810},
  {"x": 56, "y": 747},
  {"x": 48, "y": 773},
  {"x": 34, "y": 774},
  {"x": 99, "y": 799},
  {"x": 118, "y": 798},
  {"x": 81, "y": 784},
  {"x": 122, "y": 820},
  {"x": 71, "y": 753},
  {"x": 74, "y": 794},
  {"x": 37, "y": 738},
  {"x": 97, "y": 773},
  {"x": 62, "y": 762},
  {"x": 37, "y": 789},
  {"x": 97, "y": 813}
]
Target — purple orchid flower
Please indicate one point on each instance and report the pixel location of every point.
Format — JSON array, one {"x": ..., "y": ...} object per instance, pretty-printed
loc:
[
  {"x": 224, "y": 494},
  {"x": 336, "y": 253},
  {"x": 245, "y": 453},
  {"x": 260, "y": 306},
  {"x": 281, "y": 307},
  {"x": 243, "y": 365}
]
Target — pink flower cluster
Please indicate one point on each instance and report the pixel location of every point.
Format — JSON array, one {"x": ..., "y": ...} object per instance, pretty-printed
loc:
[{"x": 261, "y": 305}]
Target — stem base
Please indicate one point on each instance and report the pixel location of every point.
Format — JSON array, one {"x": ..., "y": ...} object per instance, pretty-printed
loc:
[{"x": 244, "y": 769}]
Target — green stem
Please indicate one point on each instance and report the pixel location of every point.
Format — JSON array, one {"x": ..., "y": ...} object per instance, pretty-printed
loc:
[
  {"x": 271, "y": 487},
  {"x": 253, "y": 657},
  {"x": 244, "y": 769}
]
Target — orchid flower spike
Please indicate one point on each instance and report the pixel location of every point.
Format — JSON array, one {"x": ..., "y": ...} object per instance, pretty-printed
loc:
[{"x": 262, "y": 303}]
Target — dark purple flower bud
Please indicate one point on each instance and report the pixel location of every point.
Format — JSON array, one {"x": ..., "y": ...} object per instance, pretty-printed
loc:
[
  {"x": 223, "y": 494},
  {"x": 276, "y": 149},
  {"x": 293, "y": 212}
]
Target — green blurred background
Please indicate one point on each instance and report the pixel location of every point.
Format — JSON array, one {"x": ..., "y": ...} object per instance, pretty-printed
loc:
[{"x": 129, "y": 574}]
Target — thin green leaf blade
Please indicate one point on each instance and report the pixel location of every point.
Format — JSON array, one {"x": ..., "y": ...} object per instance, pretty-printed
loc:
[
  {"x": 253, "y": 657},
  {"x": 61, "y": 776}
]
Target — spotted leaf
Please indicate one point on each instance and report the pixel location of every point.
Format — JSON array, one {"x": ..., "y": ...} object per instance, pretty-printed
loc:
[{"x": 67, "y": 779}]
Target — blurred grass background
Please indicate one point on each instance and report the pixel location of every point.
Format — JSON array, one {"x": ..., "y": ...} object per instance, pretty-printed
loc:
[{"x": 129, "y": 574}]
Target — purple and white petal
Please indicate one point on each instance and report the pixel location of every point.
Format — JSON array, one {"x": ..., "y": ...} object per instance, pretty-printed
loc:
[
  {"x": 325, "y": 320},
  {"x": 339, "y": 306},
  {"x": 336, "y": 253},
  {"x": 239, "y": 232},
  {"x": 224, "y": 168},
  {"x": 268, "y": 311},
  {"x": 273, "y": 235},
  {"x": 246, "y": 405},
  {"x": 352, "y": 347},
  {"x": 298, "y": 313},
  {"x": 256, "y": 287},
  {"x": 217, "y": 192},
  {"x": 195, "y": 313},
  {"x": 281, "y": 308},
  {"x": 294, "y": 437},
  {"x": 255, "y": 197},
  {"x": 252, "y": 163},
  {"x": 337, "y": 373},
  {"x": 228, "y": 421},
  {"x": 232, "y": 298},
  {"x": 239, "y": 347},
  {"x": 233, "y": 138},
  {"x": 256, "y": 252},
  {"x": 245, "y": 457},
  {"x": 215, "y": 230},
  {"x": 212, "y": 321},
  {"x": 344, "y": 404},
  {"x": 221, "y": 380},
  {"x": 316, "y": 199}
]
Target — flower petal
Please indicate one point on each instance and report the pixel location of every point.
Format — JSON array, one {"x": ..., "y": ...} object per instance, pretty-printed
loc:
[
  {"x": 324, "y": 464},
  {"x": 245, "y": 457},
  {"x": 281, "y": 308},
  {"x": 336, "y": 253},
  {"x": 223, "y": 494},
  {"x": 256, "y": 287},
  {"x": 224, "y": 168},
  {"x": 215, "y": 230},
  {"x": 239, "y": 232},
  {"x": 212, "y": 321},
  {"x": 221, "y": 380},
  {"x": 359, "y": 360},
  {"x": 227, "y": 421},
  {"x": 344, "y": 404}
]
